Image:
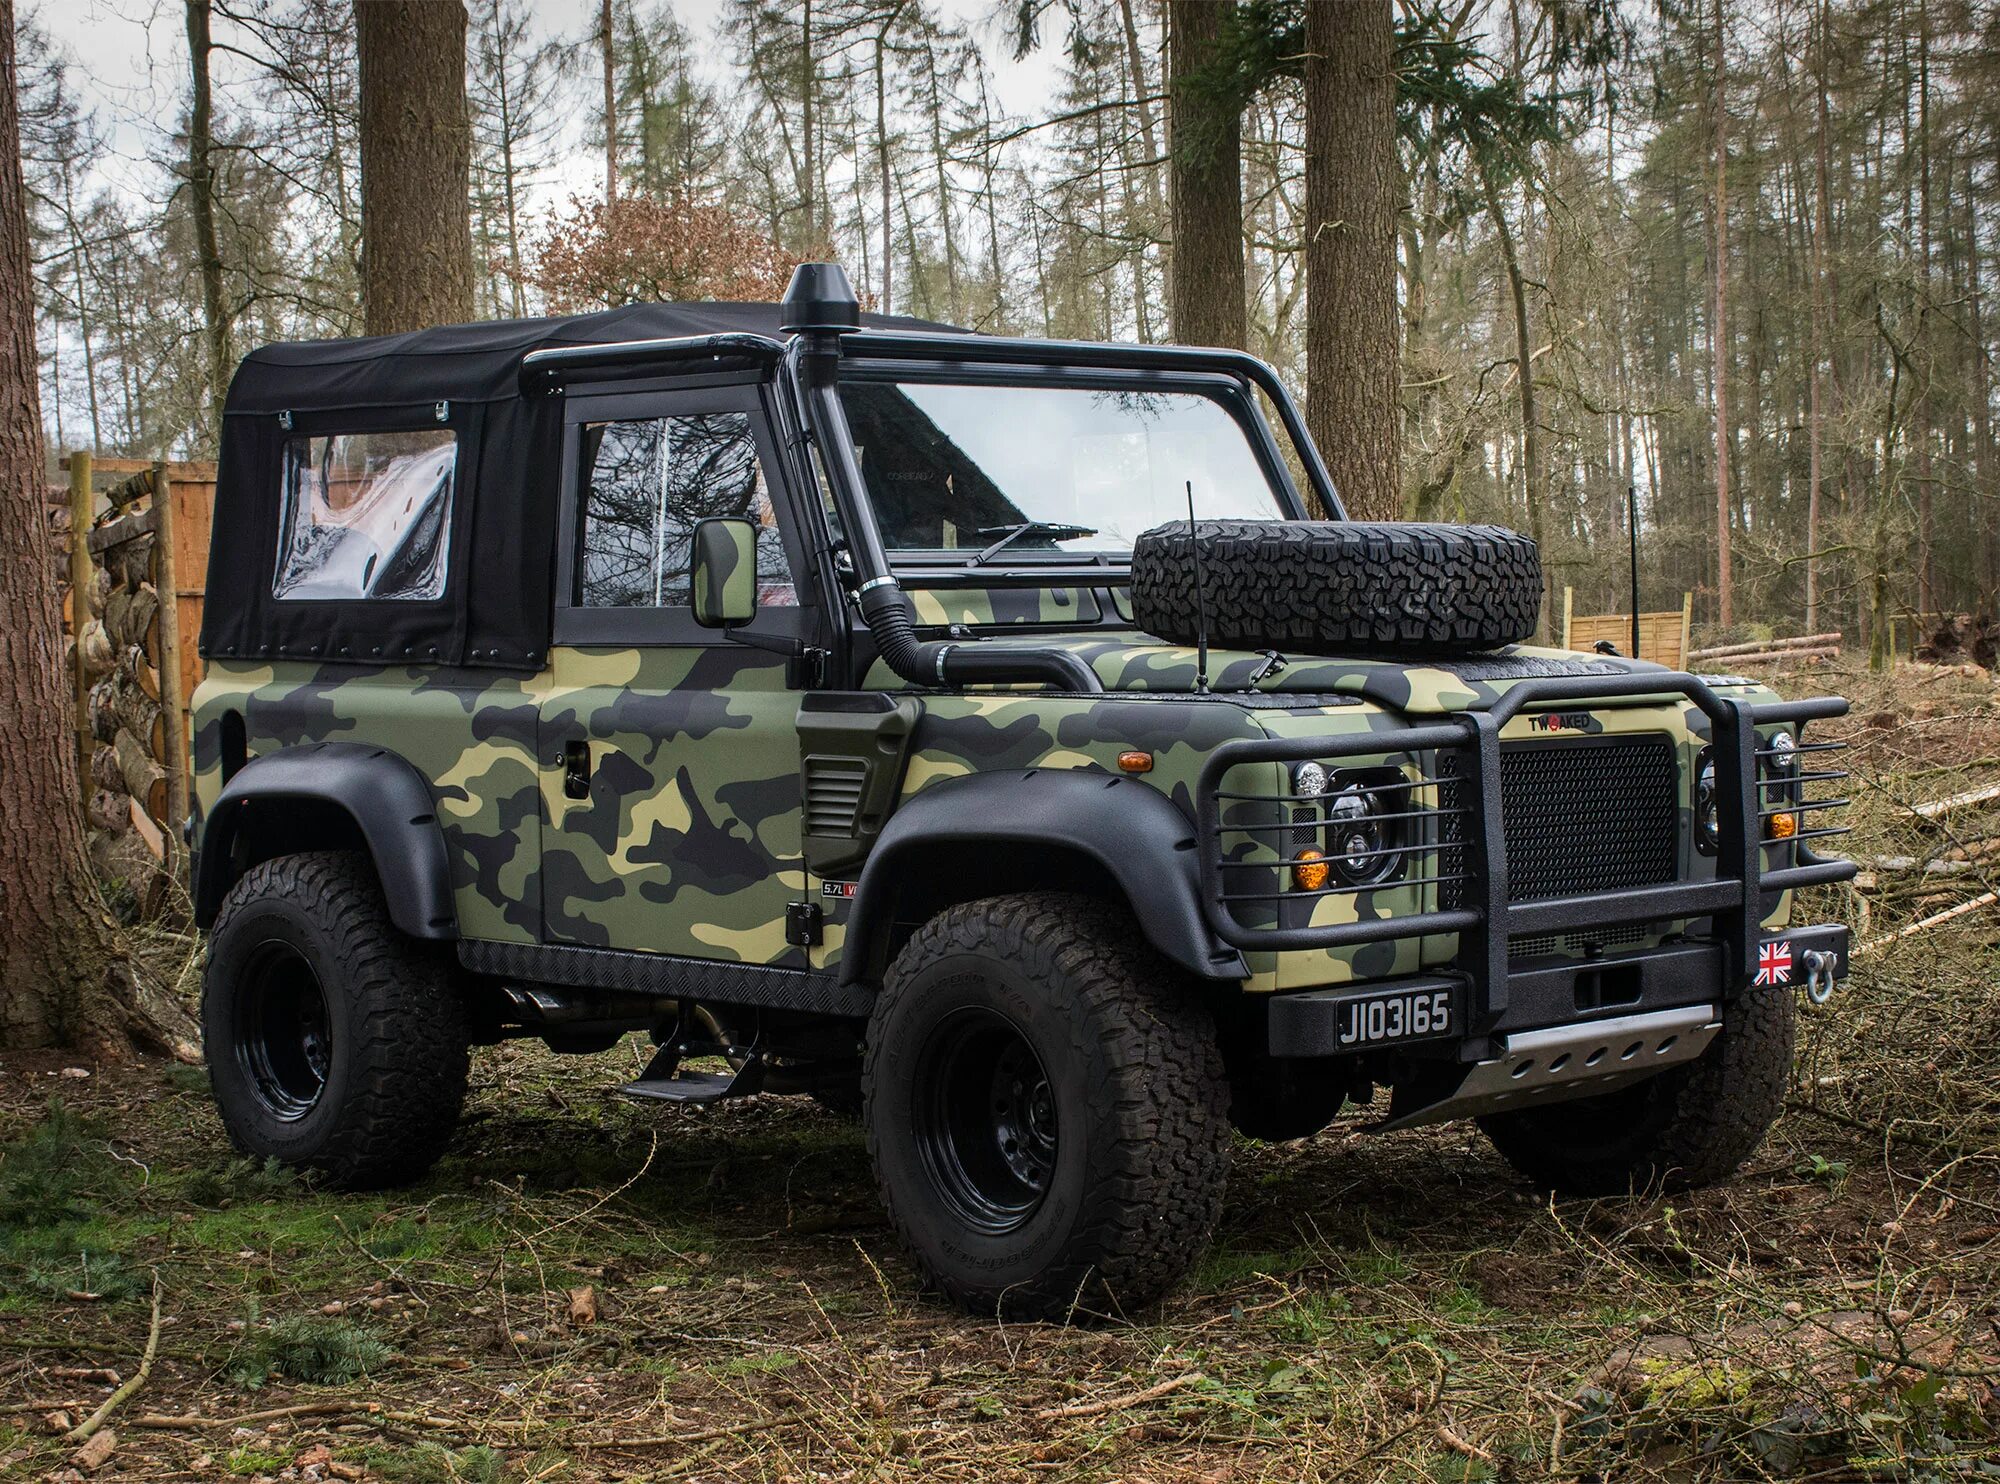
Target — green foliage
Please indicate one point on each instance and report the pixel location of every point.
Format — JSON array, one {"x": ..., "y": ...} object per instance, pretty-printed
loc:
[
  {"x": 239, "y": 1180},
  {"x": 255, "y": 1458},
  {"x": 48, "y": 1178},
  {"x": 433, "y": 1463},
  {"x": 312, "y": 1349},
  {"x": 1832, "y": 1172}
]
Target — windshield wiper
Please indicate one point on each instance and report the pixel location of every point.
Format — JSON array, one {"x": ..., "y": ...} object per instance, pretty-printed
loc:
[{"x": 1055, "y": 530}]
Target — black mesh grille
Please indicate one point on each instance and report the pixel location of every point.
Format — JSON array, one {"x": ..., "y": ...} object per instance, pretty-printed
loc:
[{"x": 1583, "y": 817}]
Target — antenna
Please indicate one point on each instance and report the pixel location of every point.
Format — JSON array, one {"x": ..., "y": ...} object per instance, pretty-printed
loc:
[
  {"x": 1632, "y": 528},
  {"x": 1200, "y": 600}
]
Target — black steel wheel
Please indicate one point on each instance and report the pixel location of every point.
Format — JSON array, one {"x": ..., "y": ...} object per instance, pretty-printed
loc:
[
  {"x": 335, "y": 1044},
  {"x": 985, "y": 1120},
  {"x": 284, "y": 1040},
  {"x": 1046, "y": 1106}
]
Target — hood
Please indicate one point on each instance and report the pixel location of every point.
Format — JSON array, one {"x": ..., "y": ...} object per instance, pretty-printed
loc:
[{"x": 1139, "y": 662}]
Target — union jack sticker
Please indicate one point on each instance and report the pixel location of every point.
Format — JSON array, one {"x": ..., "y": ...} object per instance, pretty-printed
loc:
[{"x": 1774, "y": 963}]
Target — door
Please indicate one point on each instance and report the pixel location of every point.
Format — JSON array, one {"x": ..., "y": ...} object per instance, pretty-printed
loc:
[{"x": 669, "y": 752}]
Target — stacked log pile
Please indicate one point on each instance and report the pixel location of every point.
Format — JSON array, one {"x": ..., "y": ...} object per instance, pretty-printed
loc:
[{"x": 130, "y": 732}]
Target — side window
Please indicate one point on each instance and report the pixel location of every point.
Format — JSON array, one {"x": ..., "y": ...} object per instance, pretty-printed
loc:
[
  {"x": 648, "y": 483},
  {"x": 366, "y": 515}
]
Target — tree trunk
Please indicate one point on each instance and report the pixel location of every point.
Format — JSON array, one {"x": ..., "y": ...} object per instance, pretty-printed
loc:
[
  {"x": 1205, "y": 285},
  {"x": 416, "y": 151},
  {"x": 201, "y": 207},
  {"x": 882, "y": 169},
  {"x": 604, "y": 40},
  {"x": 64, "y": 975},
  {"x": 1353, "y": 376},
  {"x": 1719, "y": 331},
  {"x": 1524, "y": 360}
]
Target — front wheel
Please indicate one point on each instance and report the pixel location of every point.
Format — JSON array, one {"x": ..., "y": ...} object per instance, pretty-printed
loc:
[
  {"x": 1046, "y": 1106},
  {"x": 1689, "y": 1126}
]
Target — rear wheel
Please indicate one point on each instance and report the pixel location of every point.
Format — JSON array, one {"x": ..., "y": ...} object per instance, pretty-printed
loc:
[
  {"x": 1689, "y": 1126},
  {"x": 1046, "y": 1106},
  {"x": 335, "y": 1043}
]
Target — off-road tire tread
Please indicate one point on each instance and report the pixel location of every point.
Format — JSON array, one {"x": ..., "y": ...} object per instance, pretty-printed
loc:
[
  {"x": 410, "y": 1068},
  {"x": 1146, "y": 1223},
  {"x": 1390, "y": 588},
  {"x": 1699, "y": 1123}
]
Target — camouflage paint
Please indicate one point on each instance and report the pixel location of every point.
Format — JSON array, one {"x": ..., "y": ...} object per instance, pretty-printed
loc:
[
  {"x": 688, "y": 840},
  {"x": 981, "y": 607}
]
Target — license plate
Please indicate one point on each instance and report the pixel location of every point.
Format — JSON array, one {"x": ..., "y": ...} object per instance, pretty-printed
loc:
[{"x": 1395, "y": 1015}]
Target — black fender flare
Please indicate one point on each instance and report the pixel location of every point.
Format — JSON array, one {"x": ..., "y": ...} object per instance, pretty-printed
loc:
[
  {"x": 1140, "y": 838},
  {"x": 386, "y": 797}
]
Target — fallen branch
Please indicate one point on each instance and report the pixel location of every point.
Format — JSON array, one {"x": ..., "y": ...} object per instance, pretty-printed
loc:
[
  {"x": 1457, "y": 1444},
  {"x": 1955, "y": 801},
  {"x": 1987, "y": 900},
  {"x": 707, "y": 1435},
  {"x": 82, "y": 1431},
  {"x": 273, "y": 1414},
  {"x": 1117, "y": 1403}
]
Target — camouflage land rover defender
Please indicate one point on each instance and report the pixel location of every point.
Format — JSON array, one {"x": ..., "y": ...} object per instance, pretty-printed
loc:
[{"x": 980, "y": 734}]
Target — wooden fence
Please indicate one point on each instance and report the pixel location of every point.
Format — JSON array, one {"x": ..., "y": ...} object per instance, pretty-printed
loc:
[{"x": 1663, "y": 637}]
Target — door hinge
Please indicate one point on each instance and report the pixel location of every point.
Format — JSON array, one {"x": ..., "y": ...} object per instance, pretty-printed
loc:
[{"x": 804, "y": 923}]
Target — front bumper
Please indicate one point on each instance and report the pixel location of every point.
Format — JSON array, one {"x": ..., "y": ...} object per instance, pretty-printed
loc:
[
  {"x": 1562, "y": 995},
  {"x": 1571, "y": 1030}
]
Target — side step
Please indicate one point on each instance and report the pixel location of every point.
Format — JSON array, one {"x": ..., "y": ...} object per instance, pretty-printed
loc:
[{"x": 664, "y": 1081}]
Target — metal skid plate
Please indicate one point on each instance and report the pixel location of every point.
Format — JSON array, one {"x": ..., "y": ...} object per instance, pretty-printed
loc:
[{"x": 1571, "y": 1061}]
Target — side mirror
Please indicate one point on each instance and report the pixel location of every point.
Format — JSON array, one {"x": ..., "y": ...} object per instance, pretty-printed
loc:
[{"x": 724, "y": 579}]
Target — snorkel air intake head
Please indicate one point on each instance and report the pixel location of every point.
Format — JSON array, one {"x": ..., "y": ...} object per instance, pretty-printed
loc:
[{"x": 819, "y": 301}]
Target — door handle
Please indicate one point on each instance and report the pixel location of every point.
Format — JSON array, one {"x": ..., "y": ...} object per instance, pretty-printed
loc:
[{"x": 576, "y": 769}]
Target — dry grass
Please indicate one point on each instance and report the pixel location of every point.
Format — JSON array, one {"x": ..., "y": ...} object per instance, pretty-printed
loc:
[{"x": 1397, "y": 1308}]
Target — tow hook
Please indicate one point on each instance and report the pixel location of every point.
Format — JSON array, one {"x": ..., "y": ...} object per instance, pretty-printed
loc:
[{"x": 1819, "y": 966}]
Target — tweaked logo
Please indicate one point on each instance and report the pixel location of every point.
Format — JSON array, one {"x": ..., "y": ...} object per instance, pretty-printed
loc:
[{"x": 1560, "y": 721}]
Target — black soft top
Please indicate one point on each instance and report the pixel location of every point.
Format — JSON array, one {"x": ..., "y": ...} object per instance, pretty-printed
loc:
[{"x": 496, "y": 606}]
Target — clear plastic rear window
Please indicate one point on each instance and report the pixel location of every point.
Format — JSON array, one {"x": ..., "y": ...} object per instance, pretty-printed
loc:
[{"x": 367, "y": 515}]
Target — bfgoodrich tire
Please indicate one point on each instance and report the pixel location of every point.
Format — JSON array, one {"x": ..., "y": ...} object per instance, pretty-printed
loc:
[
  {"x": 1047, "y": 1110},
  {"x": 1373, "y": 587},
  {"x": 1690, "y": 1126},
  {"x": 335, "y": 1043}
]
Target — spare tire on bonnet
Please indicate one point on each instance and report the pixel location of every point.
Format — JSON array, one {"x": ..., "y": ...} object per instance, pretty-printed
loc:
[{"x": 1374, "y": 587}]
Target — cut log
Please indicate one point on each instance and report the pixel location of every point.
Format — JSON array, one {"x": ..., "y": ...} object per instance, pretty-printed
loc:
[
  {"x": 98, "y": 653},
  {"x": 109, "y": 811},
  {"x": 143, "y": 826},
  {"x": 104, "y": 769},
  {"x": 1780, "y": 656},
  {"x": 145, "y": 676},
  {"x": 129, "y": 615},
  {"x": 145, "y": 780},
  {"x": 1800, "y": 641}
]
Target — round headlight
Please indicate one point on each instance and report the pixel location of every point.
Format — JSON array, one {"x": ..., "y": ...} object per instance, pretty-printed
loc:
[
  {"x": 1354, "y": 836},
  {"x": 1707, "y": 818},
  {"x": 1309, "y": 780}
]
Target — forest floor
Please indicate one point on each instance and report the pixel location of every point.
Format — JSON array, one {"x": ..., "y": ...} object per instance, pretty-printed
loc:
[{"x": 588, "y": 1288}]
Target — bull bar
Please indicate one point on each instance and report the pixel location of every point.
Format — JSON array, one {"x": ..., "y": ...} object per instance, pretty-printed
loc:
[{"x": 1487, "y": 918}]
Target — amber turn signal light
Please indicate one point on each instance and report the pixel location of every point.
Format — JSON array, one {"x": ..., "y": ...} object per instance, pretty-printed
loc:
[
  {"x": 1135, "y": 762},
  {"x": 1782, "y": 826},
  {"x": 1309, "y": 870}
]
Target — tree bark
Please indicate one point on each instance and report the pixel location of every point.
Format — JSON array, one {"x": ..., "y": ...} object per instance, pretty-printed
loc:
[
  {"x": 604, "y": 40},
  {"x": 64, "y": 975},
  {"x": 201, "y": 208},
  {"x": 1205, "y": 285},
  {"x": 416, "y": 153},
  {"x": 1353, "y": 372},
  {"x": 1524, "y": 358},
  {"x": 1719, "y": 331}
]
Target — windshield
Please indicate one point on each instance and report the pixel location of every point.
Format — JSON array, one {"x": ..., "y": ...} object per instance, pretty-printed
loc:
[{"x": 961, "y": 467}]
